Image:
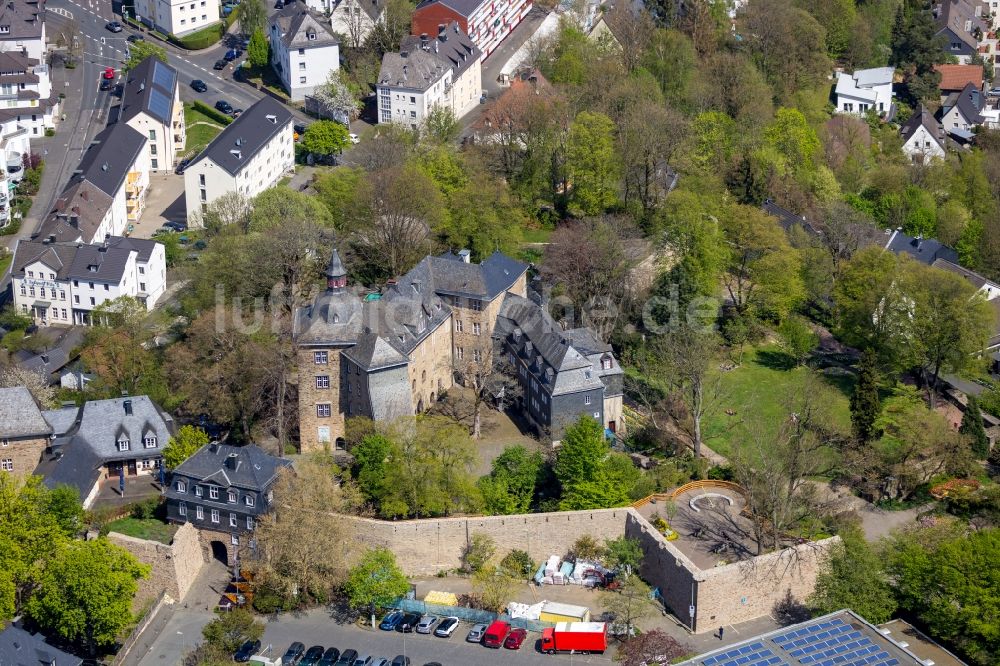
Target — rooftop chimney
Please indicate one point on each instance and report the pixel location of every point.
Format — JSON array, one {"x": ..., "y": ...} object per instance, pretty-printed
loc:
[
  {"x": 128, "y": 407},
  {"x": 74, "y": 221},
  {"x": 233, "y": 461},
  {"x": 465, "y": 256},
  {"x": 45, "y": 358}
]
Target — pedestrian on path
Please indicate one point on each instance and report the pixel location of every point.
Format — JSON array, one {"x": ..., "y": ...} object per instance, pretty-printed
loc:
[{"x": 721, "y": 630}]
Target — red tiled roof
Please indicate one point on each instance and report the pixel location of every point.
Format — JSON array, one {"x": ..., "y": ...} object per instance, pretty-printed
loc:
[{"x": 955, "y": 77}]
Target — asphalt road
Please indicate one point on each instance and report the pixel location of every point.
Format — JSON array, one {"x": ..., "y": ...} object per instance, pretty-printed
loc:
[{"x": 318, "y": 628}]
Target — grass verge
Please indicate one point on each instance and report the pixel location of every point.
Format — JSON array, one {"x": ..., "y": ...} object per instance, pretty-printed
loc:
[{"x": 144, "y": 528}]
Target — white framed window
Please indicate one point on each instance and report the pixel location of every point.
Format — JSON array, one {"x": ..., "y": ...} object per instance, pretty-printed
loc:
[
  {"x": 458, "y": 325},
  {"x": 233, "y": 496},
  {"x": 199, "y": 512},
  {"x": 235, "y": 540},
  {"x": 586, "y": 400},
  {"x": 477, "y": 328},
  {"x": 123, "y": 444},
  {"x": 321, "y": 358},
  {"x": 181, "y": 486},
  {"x": 232, "y": 520},
  {"x": 459, "y": 353},
  {"x": 213, "y": 492},
  {"x": 215, "y": 515},
  {"x": 248, "y": 500},
  {"x": 322, "y": 381},
  {"x": 249, "y": 523},
  {"x": 197, "y": 491},
  {"x": 149, "y": 442},
  {"x": 7, "y": 464},
  {"x": 182, "y": 509},
  {"x": 323, "y": 410}
]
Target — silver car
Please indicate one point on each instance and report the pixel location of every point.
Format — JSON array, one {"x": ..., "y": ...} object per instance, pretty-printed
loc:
[
  {"x": 476, "y": 633},
  {"x": 426, "y": 624},
  {"x": 446, "y": 627}
]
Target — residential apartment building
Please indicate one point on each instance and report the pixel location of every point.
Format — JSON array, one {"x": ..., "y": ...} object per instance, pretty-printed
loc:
[
  {"x": 223, "y": 490},
  {"x": 25, "y": 89},
  {"x": 923, "y": 138},
  {"x": 151, "y": 105},
  {"x": 24, "y": 434},
  {"x": 393, "y": 354},
  {"x": 963, "y": 111},
  {"x": 63, "y": 283},
  {"x": 106, "y": 192},
  {"x": 304, "y": 50},
  {"x": 22, "y": 28},
  {"x": 15, "y": 143},
  {"x": 105, "y": 443},
  {"x": 962, "y": 24},
  {"x": 430, "y": 72},
  {"x": 486, "y": 22},
  {"x": 353, "y": 20},
  {"x": 562, "y": 374},
  {"x": 248, "y": 157},
  {"x": 177, "y": 17},
  {"x": 866, "y": 90}
]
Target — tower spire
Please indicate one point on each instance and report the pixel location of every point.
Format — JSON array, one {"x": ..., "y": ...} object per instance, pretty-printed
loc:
[{"x": 336, "y": 275}]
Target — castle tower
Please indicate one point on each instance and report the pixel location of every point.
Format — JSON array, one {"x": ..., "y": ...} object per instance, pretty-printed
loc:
[{"x": 336, "y": 275}]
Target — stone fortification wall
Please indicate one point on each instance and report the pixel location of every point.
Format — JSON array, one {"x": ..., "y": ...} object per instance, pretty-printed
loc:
[{"x": 174, "y": 566}]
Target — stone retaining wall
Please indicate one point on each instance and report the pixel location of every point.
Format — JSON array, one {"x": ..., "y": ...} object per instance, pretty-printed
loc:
[{"x": 174, "y": 566}]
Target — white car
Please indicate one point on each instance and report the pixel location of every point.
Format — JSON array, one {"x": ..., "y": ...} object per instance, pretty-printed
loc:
[
  {"x": 426, "y": 624},
  {"x": 476, "y": 633},
  {"x": 446, "y": 627},
  {"x": 354, "y": 138}
]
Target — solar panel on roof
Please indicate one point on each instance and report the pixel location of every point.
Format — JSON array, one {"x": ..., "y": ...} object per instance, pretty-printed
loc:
[
  {"x": 159, "y": 104},
  {"x": 163, "y": 76}
]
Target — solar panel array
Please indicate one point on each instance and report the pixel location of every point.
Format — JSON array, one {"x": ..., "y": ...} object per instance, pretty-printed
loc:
[
  {"x": 159, "y": 104},
  {"x": 164, "y": 76},
  {"x": 755, "y": 654},
  {"x": 833, "y": 643}
]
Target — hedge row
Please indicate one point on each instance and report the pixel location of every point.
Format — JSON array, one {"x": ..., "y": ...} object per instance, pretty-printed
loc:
[
  {"x": 211, "y": 112},
  {"x": 200, "y": 40}
]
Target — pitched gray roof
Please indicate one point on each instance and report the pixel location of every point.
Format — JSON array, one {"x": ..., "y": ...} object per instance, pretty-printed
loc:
[
  {"x": 294, "y": 25},
  {"x": 20, "y": 415},
  {"x": 20, "y": 648},
  {"x": 250, "y": 467},
  {"x": 236, "y": 146},
  {"x": 463, "y": 7},
  {"x": 975, "y": 279},
  {"x": 149, "y": 88},
  {"x": 57, "y": 256},
  {"x": 110, "y": 156},
  {"x": 77, "y": 213},
  {"x": 61, "y": 420},
  {"x": 372, "y": 352},
  {"x": 389, "y": 394},
  {"x": 786, "y": 218},
  {"x": 924, "y": 250},
  {"x": 923, "y": 119},
  {"x": 970, "y": 103},
  {"x": 453, "y": 47},
  {"x": 955, "y": 14},
  {"x": 25, "y": 18},
  {"x": 413, "y": 70},
  {"x": 95, "y": 263},
  {"x": 99, "y": 263}
]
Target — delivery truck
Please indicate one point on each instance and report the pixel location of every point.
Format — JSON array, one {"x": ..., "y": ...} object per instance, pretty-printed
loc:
[{"x": 575, "y": 637}]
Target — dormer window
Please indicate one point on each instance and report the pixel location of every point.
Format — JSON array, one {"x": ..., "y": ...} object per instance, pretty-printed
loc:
[
  {"x": 4, "y": 29},
  {"x": 123, "y": 443},
  {"x": 233, "y": 496},
  {"x": 181, "y": 486},
  {"x": 149, "y": 442},
  {"x": 549, "y": 374},
  {"x": 311, "y": 36},
  {"x": 606, "y": 363}
]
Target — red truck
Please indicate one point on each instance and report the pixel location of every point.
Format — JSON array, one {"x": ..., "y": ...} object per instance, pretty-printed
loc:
[
  {"x": 576, "y": 637},
  {"x": 495, "y": 634}
]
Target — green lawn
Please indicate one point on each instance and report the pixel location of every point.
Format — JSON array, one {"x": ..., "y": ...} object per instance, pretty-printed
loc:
[
  {"x": 540, "y": 235},
  {"x": 5, "y": 263},
  {"x": 149, "y": 528},
  {"x": 201, "y": 134},
  {"x": 758, "y": 394}
]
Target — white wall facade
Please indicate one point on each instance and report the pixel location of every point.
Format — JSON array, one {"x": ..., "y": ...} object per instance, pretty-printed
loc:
[
  {"x": 302, "y": 69},
  {"x": 178, "y": 17},
  {"x": 160, "y": 144},
  {"x": 205, "y": 181},
  {"x": 467, "y": 89},
  {"x": 493, "y": 21},
  {"x": 347, "y": 18},
  {"x": 955, "y": 120},
  {"x": 410, "y": 107},
  {"x": 34, "y": 47},
  {"x": 922, "y": 145}
]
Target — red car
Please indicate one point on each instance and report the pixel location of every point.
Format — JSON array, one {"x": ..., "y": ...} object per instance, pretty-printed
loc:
[
  {"x": 514, "y": 639},
  {"x": 109, "y": 72}
]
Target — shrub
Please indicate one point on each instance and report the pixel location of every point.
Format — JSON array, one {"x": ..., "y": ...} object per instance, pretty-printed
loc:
[
  {"x": 146, "y": 509},
  {"x": 201, "y": 39},
  {"x": 517, "y": 563},
  {"x": 50, "y": 131},
  {"x": 586, "y": 547},
  {"x": 479, "y": 552},
  {"x": 212, "y": 113}
]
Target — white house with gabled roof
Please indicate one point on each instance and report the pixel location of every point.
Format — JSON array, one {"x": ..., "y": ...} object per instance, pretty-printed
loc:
[{"x": 865, "y": 90}]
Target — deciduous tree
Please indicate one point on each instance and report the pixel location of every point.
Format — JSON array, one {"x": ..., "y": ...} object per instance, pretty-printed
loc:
[
  {"x": 257, "y": 50},
  {"x": 139, "y": 51},
  {"x": 509, "y": 488},
  {"x": 651, "y": 647},
  {"x": 229, "y": 631},
  {"x": 375, "y": 581},
  {"x": 972, "y": 427},
  {"x": 854, "y": 576},
  {"x": 591, "y": 166},
  {"x": 184, "y": 444},
  {"x": 325, "y": 137}
]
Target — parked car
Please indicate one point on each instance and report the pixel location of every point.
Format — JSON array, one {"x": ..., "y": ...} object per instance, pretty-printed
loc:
[
  {"x": 237, "y": 113},
  {"x": 426, "y": 624},
  {"x": 293, "y": 655},
  {"x": 495, "y": 634},
  {"x": 390, "y": 621},
  {"x": 176, "y": 225},
  {"x": 354, "y": 138},
  {"x": 330, "y": 657},
  {"x": 995, "y": 91},
  {"x": 400, "y": 660},
  {"x": 312, "y": 657},
  {"x": 515, "y": 638},
  {"x": 407, "y": 624},
  {"x": 114, "y": 26},
  {"x": 381, "y": 661},
  {"x": 231, "y": 55},
  {"x": 247, "y": 650},
  {"x": 105, "y": 84},
  {"x": 476, "y": 633},
  {"x": 132, "y": 39},
  {"x": 363, "y": 660},
  {"x": 109, "y": 73},
  {"x": 447, "y": 627},
  {"x": 180, "y": 168},
  {"x": 347, "y": 658},
  {"x": 224, "y": 106},
  {"x": 199, "y": 86},
  {"x": 220, "y": 64}
]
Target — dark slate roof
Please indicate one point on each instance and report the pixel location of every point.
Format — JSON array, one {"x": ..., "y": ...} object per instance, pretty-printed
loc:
[
  {"x": 453, "y": 47},
  {"x": 372, "y": 352},
  {"x": 149, "y": 88},
  {"x": 20, "y": 648},
  {"x": 57, "y": 356},
  {"x": 954, "y": 15},
  {"x": 924, "y": 250},
  {"x": 110, "y": 156},
  {"x": 82, "y": 202},
  {"x": 295, "y": 23},
  {"x": 142, "y": 246},
  {"x": 57, "y": 257},
  {"x": 12, "y": 62},
  {"x": 240, "y": 141},
  {"x": 25, "y": 18},
  {"x": 99, "y": 263},
  {"x": 105, "y": 262},
  {"x": 413, "y": 70},
  {"x": 250, "y": 467},
  {"x": 975, "y": 279},
  {"x": 463, "y": 7},
  {"x": 449, "y": 274},
  {"x": 335, "y": 267},
  {"x": 335, "y": 318},
  {"x": 20, "y": 415},
  {"x": 78, "y": 466},
  {"x": 786, "y": 218},
  {"x": 541, "y": 342},
  {"x": 970, "y": 103},
  {"x": 922, "y": 119}
]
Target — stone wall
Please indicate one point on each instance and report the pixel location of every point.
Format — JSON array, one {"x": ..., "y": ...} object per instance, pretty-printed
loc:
[
  {"x": 174, "y": 567},
  {"x": 725, "y": 595},
  {"x": 430, "y": 367},
  {"x": 22, "y": 455},
  {"x": 425, "y": 547}
]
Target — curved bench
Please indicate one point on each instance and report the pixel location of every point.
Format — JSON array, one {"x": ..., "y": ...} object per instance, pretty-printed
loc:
[{"x": 693, "y": 502}]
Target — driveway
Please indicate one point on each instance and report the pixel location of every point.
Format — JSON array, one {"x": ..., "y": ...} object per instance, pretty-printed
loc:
[{"x": 164, "y": 201}]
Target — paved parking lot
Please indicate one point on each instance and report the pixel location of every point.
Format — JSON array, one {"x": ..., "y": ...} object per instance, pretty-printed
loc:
[
  {"x": 164, "y": 201},
  {"x": 318, "y": 628}
]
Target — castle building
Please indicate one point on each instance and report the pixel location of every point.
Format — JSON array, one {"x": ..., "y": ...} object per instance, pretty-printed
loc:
[{"x": 393, "y": 354}]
